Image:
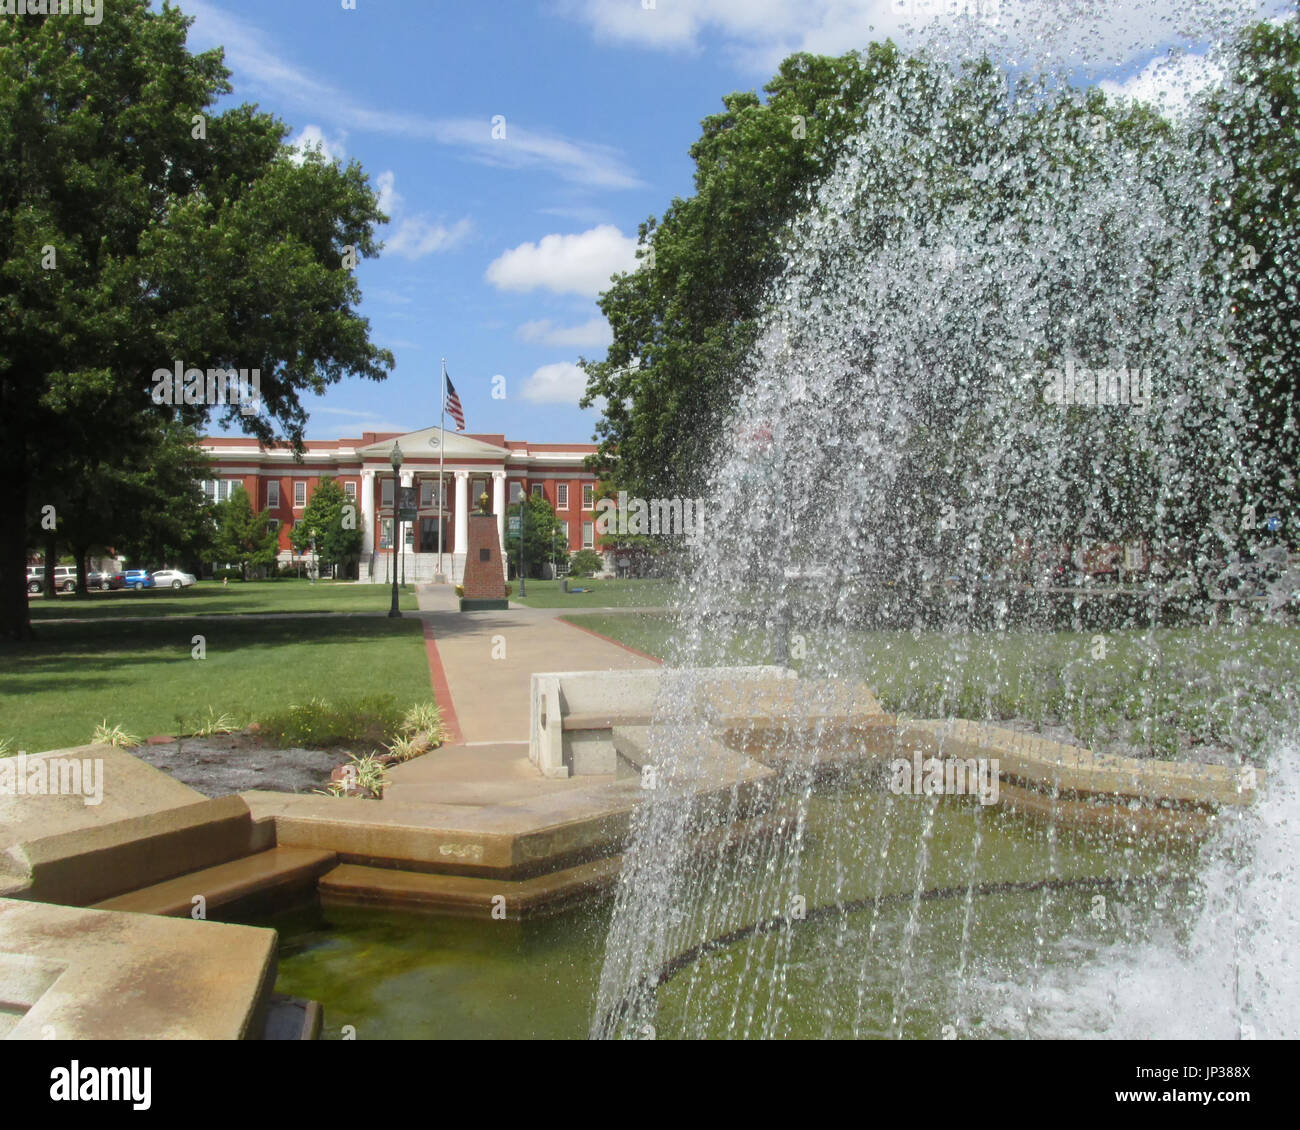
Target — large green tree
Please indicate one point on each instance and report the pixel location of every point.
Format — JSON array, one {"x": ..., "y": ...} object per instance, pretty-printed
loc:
[
  {"x": 1252, "y": 123},
  {"x": 143, "y": 227},
  {"x": 544, "y": 536},
  {"x": 329, "y": 526},
  {"x": 685, "y": 321},
  {"x": 153, "y": 514},
  {"x": 243, "y": 535}
]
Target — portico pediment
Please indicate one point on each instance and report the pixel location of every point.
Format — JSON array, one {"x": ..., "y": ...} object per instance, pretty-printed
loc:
[{"x": 425, "y": 444}]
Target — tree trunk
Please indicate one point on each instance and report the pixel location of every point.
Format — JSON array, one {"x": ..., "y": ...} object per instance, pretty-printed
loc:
[
  {"x": 51, "y": 560},
  {"x": 83, "y": 589},
  {"x": 15, "y": 619}
]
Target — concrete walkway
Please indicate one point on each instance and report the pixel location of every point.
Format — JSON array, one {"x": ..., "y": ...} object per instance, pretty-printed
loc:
[
  {"x": 482, "y": 665},
  {"x": 489, "y": 659}
]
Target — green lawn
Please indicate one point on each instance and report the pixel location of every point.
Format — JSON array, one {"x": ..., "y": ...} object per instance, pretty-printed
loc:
[
  {"x": 602, "y": 594},
  {"x": 1165, "y": 691},
  {"x": 141, "y": 674},
  {"x": 211, "y": 598}
]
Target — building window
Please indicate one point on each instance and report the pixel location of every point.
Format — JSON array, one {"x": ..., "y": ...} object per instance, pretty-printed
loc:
[
  {"x": 426, "y": 492},
  {"x": 273, "y": 496},
  {"x": 588, "y": 535},
  {"x": 478, "y": 487},
  {"x": 299, "y": 494},
  {"x": 386, "y": 494},
  {"x": 273, "y": 523},
  {"x": 385, "y": 533},
  {"x": 589, "y": 496},
  {"x": 220, "y": 490},
  {"x": 562, "y": 496},
  {"x": 350, "y": 489},
  {"x": 516, "y": 492},
  {"x": 537, "y": 490}
]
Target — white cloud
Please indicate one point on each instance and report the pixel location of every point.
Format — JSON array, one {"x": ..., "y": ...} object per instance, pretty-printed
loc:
[
  {"x": 590, "y": 334},
  {"x": 313, "y": 137},
  {"x": 567, "y": 264},
  {"x": 760, "y": 33},
  {"x": 256, "y": 66},
  {"x": 1170, "y": 82},
  {"x": 386, "y": 186},
  {"x": 416, "y": 235},
  {"x": 561, "y": 383},
  {"x": 419, "y": 236}
]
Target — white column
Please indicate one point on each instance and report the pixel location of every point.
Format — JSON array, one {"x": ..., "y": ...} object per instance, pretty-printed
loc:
[
  {"x": 367, "y": 513},
  {"x": 461, "y": 544},
  {"x": 408, "y": 480},
  {"x": 499, "y": 509}
]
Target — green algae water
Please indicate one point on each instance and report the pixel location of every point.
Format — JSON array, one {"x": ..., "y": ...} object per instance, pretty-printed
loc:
[{"x": 401, "y": 975}]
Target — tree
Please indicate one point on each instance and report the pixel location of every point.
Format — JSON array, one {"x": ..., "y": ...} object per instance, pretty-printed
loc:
[
  {"x": 585, "y": 562},
  {"x": 243, "y": 535},
  {"x": 329, "y": 526},
  {"x": 1250, "y": 122},
  {"x": 153, "y": 514},
  {"x": 545, "y": 540},
  {"x": 140, "y": 229},
  {"x": 684, "y": 325}
]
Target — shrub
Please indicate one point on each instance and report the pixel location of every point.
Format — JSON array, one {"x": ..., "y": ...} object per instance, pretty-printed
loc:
[
  {"x": 460, "y": 590},
  {"x": 227, "y": 574},
  {"x": 367, "y": 722},
  {"x": 585, "y": 562},
  {"x": 425, "y": 718},
  {"x": 510, "y": 590},
  {"x": 367, "y": 774},
  {"x": 114, "y": 736}
]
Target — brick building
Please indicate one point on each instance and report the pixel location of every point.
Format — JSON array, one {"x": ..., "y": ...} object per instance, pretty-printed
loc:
[{"x": 280, "y": 487}]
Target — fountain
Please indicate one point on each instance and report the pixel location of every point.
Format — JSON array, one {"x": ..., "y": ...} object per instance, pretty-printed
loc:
[{"x": 1010, "y": 319}]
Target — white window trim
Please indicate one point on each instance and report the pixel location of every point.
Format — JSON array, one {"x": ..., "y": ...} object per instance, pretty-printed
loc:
[
  {"x": 273, "y": 495},
  {"x": 561, "y": 496},
  {"x": 296, "y": 484},
  {"x": 350, "y": 489},
  {"x": 585, "y": 527},
  {"x": 586, "y": 506}
]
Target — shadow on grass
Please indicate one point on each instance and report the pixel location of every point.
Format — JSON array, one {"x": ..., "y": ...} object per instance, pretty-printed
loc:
[{"x": 70, "y": 648}]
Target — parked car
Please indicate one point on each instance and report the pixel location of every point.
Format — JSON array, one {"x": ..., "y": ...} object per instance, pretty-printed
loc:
[
  {"x": 137, "y": 579},
  {"x": 173, "y": 578},
  {"x": 65, "y": 578},
  {"x": 97, "y": 579}
]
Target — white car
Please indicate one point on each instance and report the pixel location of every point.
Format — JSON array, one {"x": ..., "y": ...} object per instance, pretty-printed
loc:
[{"x": 173, "y": 578}]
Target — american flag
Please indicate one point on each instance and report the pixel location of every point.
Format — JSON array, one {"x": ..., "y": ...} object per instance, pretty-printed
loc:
[{"x": 453, "y": 406}]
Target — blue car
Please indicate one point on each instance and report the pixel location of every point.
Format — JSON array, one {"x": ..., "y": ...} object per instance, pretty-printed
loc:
[{"x": 137, "y": 579}]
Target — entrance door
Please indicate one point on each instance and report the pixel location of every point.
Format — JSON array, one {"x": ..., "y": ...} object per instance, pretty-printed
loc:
[{"x": 429, "y": 535}]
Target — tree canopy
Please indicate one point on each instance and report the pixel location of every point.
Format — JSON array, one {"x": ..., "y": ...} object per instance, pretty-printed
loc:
[{"x": 143, "y": 228}]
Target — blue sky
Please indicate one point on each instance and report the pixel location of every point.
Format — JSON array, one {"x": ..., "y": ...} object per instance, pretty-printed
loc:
[{"x": 497, "y": 246}]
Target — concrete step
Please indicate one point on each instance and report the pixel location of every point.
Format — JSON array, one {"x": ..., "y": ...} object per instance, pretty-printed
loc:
[
  {"x": 84, "y": 866},
  {"x": 277, "y": 870},
  {"x": 357, "y": 885},
  {"x": 292, "y": 1018}
]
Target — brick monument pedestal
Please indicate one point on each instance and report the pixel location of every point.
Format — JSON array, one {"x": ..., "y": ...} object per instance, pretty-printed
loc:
[{"x": 485, "y": 578}]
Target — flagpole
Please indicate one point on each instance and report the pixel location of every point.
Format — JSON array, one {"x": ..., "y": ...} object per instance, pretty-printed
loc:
[{"x": 442, "y": 458}]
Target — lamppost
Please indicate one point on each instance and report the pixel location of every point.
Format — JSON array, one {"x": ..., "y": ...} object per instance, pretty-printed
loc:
[{"x": 396, "y": 460}]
